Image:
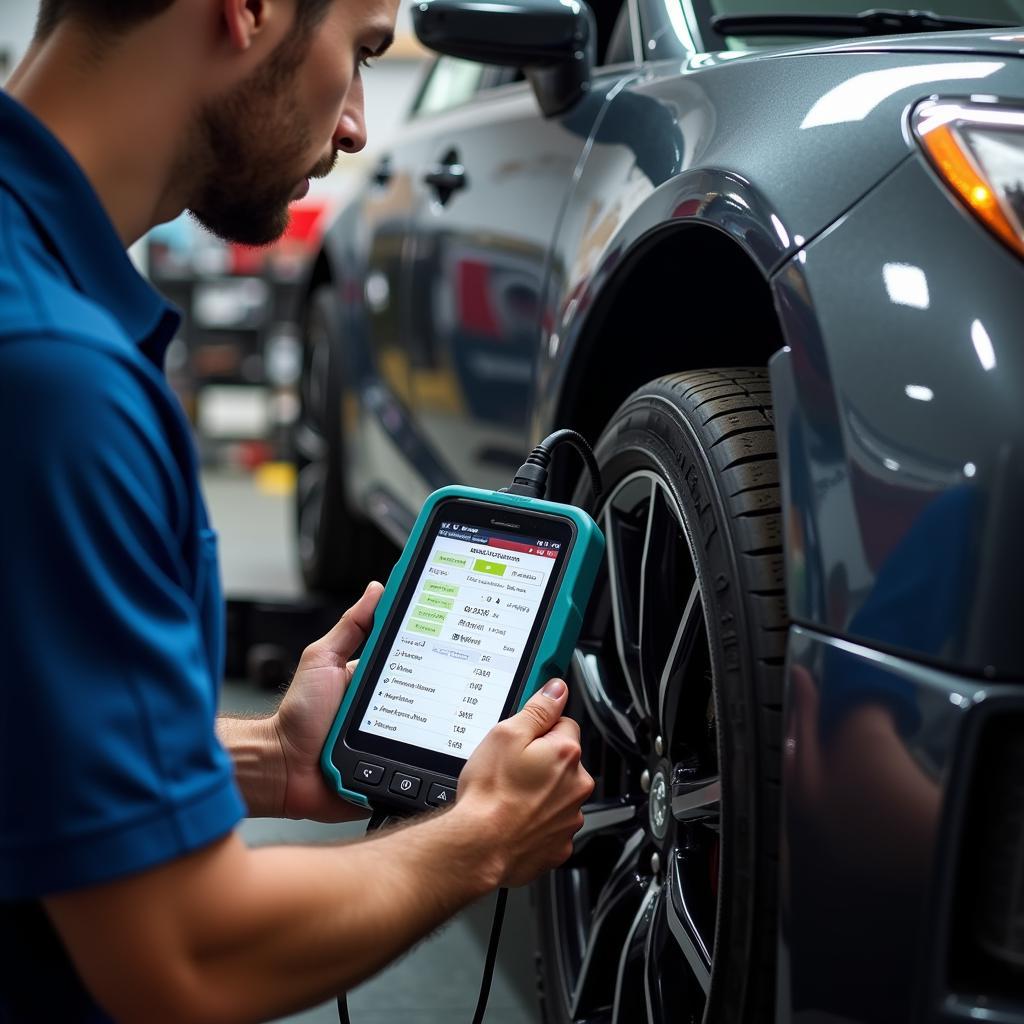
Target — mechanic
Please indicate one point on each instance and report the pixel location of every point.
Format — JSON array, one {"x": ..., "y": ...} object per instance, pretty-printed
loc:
[{"x": 125, "y": 890}]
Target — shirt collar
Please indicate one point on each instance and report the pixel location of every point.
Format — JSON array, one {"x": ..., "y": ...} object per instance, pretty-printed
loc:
[{"x": 44, "y": 177}]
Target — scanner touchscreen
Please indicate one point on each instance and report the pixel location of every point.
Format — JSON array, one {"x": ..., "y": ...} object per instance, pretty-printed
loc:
[{"x": 458, "y": 646}]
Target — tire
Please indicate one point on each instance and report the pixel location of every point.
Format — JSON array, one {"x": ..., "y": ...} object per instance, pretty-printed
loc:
[
  {"x": 339, "y": 551},
  {"x": 667, "y": 910}
]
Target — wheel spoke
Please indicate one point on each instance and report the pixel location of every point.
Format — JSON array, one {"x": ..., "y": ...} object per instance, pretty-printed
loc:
[
  {"x": 623, "y": 876},
  {"x": 618, "y": 897},
  {"x": 680, "y": 654},
  {"x": 696, "y": 799},
  {"x": 607, "y": 816},
  {"x": 653, "y": 967},
  {"x": 309, "y": 488},
  {"x": 623, "y": 571},
  {"x": 309, "y": 444},
  {"x": 616, "y": 725},
  {"x": 632, "y": 962},
  {"x": 316, "y": 380},
  {"x": 649, "y": 612},
  {"x": 681, "y": 924},
  {"x": 667, "y": 584}
]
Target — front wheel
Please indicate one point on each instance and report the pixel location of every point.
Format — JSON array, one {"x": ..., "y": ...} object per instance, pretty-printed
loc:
[{"x": 666, "y": 911}]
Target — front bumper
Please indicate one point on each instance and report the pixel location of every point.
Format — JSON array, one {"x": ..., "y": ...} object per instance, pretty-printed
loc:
[{"x": 889, "y": 872}]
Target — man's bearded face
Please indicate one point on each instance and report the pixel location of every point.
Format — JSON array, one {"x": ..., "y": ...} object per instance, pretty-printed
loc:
[{"x": 255, "y": 146}]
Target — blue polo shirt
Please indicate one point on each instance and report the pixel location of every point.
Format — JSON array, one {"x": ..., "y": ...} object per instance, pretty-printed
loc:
[{"x": 111, "y": 617}]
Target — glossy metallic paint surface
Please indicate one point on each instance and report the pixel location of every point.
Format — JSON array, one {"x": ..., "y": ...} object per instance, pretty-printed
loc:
[
  {"x": 667, "y": 152},
  {"x": 901, "y": 430},
  {"x": 871, "y": 753}
]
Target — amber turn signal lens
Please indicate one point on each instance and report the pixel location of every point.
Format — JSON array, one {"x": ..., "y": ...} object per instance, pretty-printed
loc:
[{"x": 978, "y": 150}]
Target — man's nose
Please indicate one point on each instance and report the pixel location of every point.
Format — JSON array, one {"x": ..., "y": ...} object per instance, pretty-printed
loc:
[{"x": 351, "y": 134}]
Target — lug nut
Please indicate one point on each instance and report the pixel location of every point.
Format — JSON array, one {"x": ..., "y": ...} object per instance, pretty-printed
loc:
[
  {"x": 655, "y": 863},
  {"x": 645, "y": 781},
  {"x": 659, "y": 746}
]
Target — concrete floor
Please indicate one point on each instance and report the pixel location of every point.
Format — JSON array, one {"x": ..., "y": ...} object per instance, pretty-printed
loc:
[{"x": 437, "y": 982}]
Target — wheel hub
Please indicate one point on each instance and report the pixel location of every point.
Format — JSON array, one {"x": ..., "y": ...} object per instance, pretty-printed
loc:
[{"x": 658, "y": 808}]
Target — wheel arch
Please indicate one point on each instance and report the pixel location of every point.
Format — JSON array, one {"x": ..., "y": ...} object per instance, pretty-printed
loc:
[{"x": 644, "y": 309}]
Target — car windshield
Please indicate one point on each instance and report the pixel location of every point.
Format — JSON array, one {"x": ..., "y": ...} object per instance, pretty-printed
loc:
[{"x": 999, "y": 11}]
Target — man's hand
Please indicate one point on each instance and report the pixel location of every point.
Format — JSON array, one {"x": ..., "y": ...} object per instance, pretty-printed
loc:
[
  {"x": 307, "y": 713},
  {"x": 277, "y": 759},
  {"x": 526, "y": 786}
]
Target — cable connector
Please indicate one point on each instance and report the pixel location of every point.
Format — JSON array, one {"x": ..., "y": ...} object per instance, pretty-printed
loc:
[{"x": 531, "y": 479}]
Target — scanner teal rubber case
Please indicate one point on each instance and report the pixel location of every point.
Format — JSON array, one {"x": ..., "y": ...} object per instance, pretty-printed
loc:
[{"x": 564, "y": 620}]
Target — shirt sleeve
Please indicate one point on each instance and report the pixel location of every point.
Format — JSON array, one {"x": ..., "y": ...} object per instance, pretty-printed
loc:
[{"x": 109, "y": 762}]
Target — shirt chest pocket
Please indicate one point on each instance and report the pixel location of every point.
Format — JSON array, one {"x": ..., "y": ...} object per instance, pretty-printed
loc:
[{"x": 209, "y": 601}]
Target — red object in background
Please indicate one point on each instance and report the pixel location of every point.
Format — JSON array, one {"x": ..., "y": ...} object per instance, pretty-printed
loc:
[
  {"x": 305, "y": 229},
  {"x": 251, "y": 455},
  {"x": 246, "y": 260},
  {"x": 306, "y": 225},
  {"x": 476, "y": 313}
]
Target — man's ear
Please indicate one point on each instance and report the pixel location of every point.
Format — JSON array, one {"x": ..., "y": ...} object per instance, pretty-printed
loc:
[{"x": 244, "y": 19}]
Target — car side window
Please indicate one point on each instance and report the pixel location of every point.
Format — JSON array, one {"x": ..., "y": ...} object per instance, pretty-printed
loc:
[
  {"x": 619, "y": 47},
  {"x": 450, "y": 83}
]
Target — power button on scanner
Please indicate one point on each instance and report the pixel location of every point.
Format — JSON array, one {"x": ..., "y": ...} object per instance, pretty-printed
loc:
[{"x": 405, "y": 785}]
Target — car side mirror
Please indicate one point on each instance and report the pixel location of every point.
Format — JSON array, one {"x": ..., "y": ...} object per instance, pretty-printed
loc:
[{"x": 552, "y": 41}]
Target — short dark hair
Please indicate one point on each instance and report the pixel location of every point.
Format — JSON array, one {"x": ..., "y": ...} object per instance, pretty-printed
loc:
[{"x": 113, "y": 16}]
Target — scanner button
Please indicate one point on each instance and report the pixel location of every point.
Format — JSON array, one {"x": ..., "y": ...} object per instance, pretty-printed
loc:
[
  {"x": 440, "y": 796},
  {"x": 369, "y": 774},
  {"x": 405, "y": 785}
]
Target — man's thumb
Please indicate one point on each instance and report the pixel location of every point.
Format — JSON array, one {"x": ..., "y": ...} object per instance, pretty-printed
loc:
[{"x": 544, "y": 708}]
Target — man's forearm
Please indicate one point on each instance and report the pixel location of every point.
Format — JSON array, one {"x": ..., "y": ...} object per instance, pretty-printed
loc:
[
  {"x": 260, "y": 771},
  {"x": 235, "y": 935},
  {"x": 332, "y": 918}
]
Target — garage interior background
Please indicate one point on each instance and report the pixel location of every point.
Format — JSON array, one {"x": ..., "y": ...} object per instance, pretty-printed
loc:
[{"x": 234, "y": 366}]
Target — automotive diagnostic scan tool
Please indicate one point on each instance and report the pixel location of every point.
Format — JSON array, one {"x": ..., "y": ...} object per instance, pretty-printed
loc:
[{"x": 483, "y": 607}]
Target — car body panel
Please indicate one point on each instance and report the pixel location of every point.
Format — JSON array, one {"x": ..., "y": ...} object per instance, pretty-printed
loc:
[
  {"x": 901, "y": 430},
  {"x": 871, "y": 750},
  {"x": 1001, "y": 43},
  {"x": 663, "y": 155}
]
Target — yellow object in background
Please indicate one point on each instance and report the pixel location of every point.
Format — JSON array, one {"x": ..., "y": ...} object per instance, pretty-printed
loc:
[{"x": 276, "y": 478}]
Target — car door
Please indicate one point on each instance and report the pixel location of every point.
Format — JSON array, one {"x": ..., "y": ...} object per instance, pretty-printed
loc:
[
  {"x": 489, "y": 197},
  {"x": 389, "y": 471}
]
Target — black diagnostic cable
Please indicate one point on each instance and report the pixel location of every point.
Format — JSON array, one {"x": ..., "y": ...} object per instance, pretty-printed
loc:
[
  {"x": 531, "y": 481},
  {"x": 377, "y": 821}
]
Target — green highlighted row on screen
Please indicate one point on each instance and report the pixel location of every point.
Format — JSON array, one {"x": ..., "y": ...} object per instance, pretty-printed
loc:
[
  {"x": 434, "y": 601},
  {"x": 447, "y": 558},
  {"x": 489, "y": 568},
  {"x": 448, "y": 589},
  {"x": 429, "y": 614},
  {"x": 426, "y": 628}
]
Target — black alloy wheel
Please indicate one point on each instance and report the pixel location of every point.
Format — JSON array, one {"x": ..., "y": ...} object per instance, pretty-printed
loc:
[
  {"x": 339, "y": 552},
  {"x": 666, "y": 911}
]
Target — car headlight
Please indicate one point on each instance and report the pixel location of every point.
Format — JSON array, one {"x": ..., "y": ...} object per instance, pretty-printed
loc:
[{"x": 978, "y": 150}]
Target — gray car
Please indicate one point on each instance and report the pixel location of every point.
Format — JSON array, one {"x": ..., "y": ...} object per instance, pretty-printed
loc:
[{"x": 771, "y": 264}]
